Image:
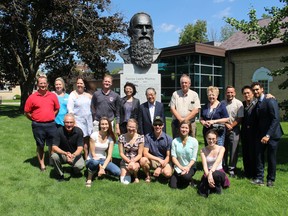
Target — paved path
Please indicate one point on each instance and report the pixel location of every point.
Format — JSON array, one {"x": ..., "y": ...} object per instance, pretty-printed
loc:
[{"x": 10, "y": 103}]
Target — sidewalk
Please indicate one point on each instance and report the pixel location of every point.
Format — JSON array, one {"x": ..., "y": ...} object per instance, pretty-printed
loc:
[{"x": 10, "y": 103}]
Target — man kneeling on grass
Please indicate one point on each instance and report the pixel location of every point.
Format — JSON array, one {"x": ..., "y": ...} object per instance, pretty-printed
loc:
[
  {"x": 157, "y": 148},
  {"x": 67, "y": 147}
]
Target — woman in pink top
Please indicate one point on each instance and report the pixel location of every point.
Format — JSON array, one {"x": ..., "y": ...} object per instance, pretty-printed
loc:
[{"x": 214, "y": 178}]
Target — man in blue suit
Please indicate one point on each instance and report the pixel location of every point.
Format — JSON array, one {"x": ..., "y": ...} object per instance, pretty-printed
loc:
[
  {"x": 148, "y": 111},
  {"x": 268, "y": 135}
]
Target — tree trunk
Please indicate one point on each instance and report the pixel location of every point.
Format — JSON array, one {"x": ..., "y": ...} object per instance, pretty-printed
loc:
[{"x": 26, "y": 90}]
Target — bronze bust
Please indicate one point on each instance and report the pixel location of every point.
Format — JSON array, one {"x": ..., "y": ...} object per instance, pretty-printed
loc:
[{"x": 141, "y": 51}]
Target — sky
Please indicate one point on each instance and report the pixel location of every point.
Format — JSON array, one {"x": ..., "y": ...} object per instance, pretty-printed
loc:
[{"x": 170, "y": 16}]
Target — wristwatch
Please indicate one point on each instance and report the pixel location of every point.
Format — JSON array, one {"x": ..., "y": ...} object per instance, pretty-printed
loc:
[{"x": 268, "y": 136}]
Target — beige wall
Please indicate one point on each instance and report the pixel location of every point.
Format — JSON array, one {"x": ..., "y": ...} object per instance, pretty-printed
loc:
[
  {"x": 248, "y": 61},
  {"x": 8, "y": 95}
]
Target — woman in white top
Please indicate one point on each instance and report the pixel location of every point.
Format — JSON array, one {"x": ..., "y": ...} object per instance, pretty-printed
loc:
[
  {"x": 214, "y": 177},
  {"x": 79, "y": 104},
  {"x": 100, "y": 155}
]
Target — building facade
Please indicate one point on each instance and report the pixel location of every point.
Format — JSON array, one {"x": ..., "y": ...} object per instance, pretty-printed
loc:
[{"x": 204, "y": 63}]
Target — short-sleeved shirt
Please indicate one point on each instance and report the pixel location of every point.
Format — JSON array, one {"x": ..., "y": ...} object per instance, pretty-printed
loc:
[
  {"x": 234, "y": 108},
  {"x": 131, "y": 149},
  {"x": 217, "y": 113},
  {"x": 68, "y": 142},
  {"x": 184, "y": 104},
  {"x": 158, "y": 147},
  {"x": 106, "y": 105},
  {"x": 186, "y": 153},
  {"x": 42, "y": 107}
]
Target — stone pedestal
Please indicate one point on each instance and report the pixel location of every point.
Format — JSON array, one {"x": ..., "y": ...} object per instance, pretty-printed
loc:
[{"x": 143, "y": 78}]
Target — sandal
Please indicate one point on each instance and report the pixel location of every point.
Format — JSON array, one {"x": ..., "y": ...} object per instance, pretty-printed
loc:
[
  {"x": 157, "y": 172},
  {"x": 88, "y": 183},
  {"x": 148, "y": 179},
  {"x": 136, "y": 180}
]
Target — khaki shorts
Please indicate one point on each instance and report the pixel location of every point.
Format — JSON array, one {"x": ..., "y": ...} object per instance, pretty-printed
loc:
[{"x": 155, "y": 164}]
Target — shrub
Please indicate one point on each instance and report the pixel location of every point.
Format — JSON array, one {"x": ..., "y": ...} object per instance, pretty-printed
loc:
[{"x": 16, "y": 97}]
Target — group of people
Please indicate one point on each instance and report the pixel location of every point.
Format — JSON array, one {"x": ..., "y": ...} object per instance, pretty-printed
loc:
[{"x": 85, "y": 122}]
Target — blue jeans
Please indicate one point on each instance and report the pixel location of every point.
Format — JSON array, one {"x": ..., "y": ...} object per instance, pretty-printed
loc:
[{"x": 93, "y": 166}]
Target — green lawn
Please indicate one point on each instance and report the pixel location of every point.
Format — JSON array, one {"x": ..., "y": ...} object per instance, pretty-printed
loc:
[{"x": 27, "y": 191}]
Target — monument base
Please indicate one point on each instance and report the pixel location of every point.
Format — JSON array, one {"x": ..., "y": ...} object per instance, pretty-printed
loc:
[{"x": 143, "y": 79}]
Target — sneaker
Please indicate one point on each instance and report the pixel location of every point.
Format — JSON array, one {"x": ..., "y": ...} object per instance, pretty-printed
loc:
[
  {"x": 270, "y": 183},
  {"x": 258, "y": 182},
  {"x": 232, "y": 174}
]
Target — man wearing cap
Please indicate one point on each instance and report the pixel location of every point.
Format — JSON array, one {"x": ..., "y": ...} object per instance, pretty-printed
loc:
[
  {"x": 157, "y": 151},
  {"x": 68, "y": 147}
]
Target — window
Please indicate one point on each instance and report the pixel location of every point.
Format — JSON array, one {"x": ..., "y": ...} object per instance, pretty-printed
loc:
[{"x": 262, "y": 75}]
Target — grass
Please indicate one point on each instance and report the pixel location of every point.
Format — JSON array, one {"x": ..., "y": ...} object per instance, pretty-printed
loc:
[{"x": 27, "y": 191}]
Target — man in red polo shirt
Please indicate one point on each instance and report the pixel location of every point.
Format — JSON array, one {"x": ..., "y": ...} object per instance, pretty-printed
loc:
[{"x": 41, "y": 108}]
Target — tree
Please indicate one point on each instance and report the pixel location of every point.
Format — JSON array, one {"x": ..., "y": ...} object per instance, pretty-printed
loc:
[
  {"x": 227, "y": 31},
  {"x": 49, "y": 33},
  {"x": 194, "y": 33},
  {"x": 277, "y": 28},
  {"x": 212, "y": 35}
]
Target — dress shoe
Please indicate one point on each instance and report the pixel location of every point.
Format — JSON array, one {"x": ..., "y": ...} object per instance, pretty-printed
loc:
[
  {"x": 270, "y": 183},
  {"x": 61, "y": 178},
  {"x": 258, "y": 182}
]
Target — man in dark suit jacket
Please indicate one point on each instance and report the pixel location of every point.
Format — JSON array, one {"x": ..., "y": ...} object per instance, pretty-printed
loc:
[
  {"x": 268, "y": 136},
  {"x": 148, "y": 111}
]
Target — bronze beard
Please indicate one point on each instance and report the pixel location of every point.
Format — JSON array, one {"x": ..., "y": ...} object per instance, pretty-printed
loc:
[{"x": 141, "y": 52}]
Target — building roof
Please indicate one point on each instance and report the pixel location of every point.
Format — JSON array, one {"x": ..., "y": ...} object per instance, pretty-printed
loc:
[
  {"x": 239, "y": 40},
  {"x": 200, "y": 48}
]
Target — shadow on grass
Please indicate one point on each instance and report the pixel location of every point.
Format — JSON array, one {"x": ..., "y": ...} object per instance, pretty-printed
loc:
[
  {"x": 282, "y": 151},
  {"x": 11, "y": 111},
  {"x": 34, "y": 160}
]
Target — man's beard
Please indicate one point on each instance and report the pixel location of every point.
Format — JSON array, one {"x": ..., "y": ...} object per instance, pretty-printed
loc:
[{"x": 141, "y": 52}]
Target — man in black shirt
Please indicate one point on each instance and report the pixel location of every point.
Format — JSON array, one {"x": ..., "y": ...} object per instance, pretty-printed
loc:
[{"x": 67, "y": 147}]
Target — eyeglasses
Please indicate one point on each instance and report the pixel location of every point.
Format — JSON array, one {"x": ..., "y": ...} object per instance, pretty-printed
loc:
[{"x": 158, "y": 124}]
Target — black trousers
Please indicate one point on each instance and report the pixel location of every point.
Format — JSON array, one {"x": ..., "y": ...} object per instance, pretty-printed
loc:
[
  {"x": 181, "y": 181},
  {"x": 219, "y": 179},
  {"x": 271, "y": 149},
  {"x": 248, "y": 141}
]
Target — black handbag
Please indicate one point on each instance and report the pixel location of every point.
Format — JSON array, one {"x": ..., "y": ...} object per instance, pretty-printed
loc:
[{"x": 218, "y": 127}]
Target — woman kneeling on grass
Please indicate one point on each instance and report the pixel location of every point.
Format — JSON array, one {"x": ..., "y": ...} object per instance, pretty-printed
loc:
[
  {"x": 131, "y": 146},
  {"x": 100, "y": 155},
  {"x": 184, "y": 154},
  {"x": 214, "y": 177}
]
